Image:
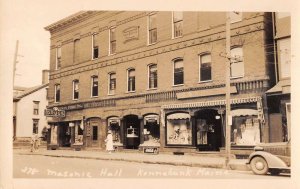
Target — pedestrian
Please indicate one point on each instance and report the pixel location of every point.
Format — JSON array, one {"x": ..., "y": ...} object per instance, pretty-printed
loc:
[
  {"x": 109, "y": 142},
  {"x": 33, "y": 142}
]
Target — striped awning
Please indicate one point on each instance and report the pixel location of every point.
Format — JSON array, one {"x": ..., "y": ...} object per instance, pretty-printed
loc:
[
  {"x": 178, "y": 116},
  {"x": 212, "y": 103}
]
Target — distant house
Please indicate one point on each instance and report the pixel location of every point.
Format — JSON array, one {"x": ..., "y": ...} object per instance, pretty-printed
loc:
[{"x": 29, "y": 104}]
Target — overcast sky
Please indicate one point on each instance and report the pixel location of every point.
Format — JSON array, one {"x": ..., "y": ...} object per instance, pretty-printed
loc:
[{"x": 24, "y": 20}]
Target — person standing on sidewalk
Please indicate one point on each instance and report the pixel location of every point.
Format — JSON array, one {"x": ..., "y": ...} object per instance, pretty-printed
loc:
[
  {"x": 109, "y": 142},
  {"x": 33, "y": 142}
]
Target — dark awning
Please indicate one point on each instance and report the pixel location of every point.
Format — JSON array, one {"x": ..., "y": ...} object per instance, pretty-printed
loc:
[{"x": 282, "y": 87}]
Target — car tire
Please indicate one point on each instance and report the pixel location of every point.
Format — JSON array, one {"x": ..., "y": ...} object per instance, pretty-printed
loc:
[{"x": 259, "y": 165}]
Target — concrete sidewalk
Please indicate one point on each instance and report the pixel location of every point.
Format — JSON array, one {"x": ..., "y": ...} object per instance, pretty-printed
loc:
[{"x": 167, "y": 159}]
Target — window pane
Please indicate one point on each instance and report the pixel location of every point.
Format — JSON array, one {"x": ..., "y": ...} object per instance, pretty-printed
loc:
[
  {"x": 237, "y": 64},
  {"x": 76, "y": 90},
  {"x": 153, "y": 76},
  {"x": 94, "y": 86},
  {"x": 152, "y": 36},
  {"x": 178, "y": 72},
  {"x": 95, "y": 132},
  {"x": 112, "y": 83},
  {"x": 178, "y": 29},
  {"x": 205, "y": 67},
  {"x": 131, "y": 80},
  {"x": 57, "y": 93},
  {"x": 179, "y": 132},
  {"x": 152, "y": 21},
  {"x": 177, "y": 16}
]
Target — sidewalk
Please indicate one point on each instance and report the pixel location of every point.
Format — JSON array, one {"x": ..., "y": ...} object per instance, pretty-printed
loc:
[{"x": 167, "y": 159}]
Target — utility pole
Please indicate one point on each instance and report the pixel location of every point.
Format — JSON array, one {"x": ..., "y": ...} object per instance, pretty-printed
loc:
[
  {"x": 15, "y": 62},
  {"x": 227, "y": 84}
]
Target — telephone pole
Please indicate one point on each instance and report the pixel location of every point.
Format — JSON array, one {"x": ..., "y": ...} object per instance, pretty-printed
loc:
[
  {"x": 15, "y": 62},
  {"x": 227, "y": 84}
]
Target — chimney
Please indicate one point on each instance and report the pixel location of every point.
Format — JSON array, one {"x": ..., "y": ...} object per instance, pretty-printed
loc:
[{"x": 45, "y": 77}]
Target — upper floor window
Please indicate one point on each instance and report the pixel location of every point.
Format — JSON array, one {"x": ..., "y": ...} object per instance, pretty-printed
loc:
[
  {"x": 152, "y": 76},
  {"x": 178, "y": 72},
  {"x": 284, "y": 57},
  {"x": 36, "y": 107},
  {"x": 205, "y": 67},
  {"x": 95, "y": 45},
  {"x": 75, "y": 89},
  {"x": 237, "y": 62},
  {"x": 131, "y": 80},
  {"x": 177, "y": 24},
  {"x": 58, "y": 58},
  {"x": 94, "y": 87},
  {"x": 76, "y": 51},
  {"x": 112, "y": 41},
  {"x": 112, "y": 83},
  {"x": 235, "y": 17},
  {"x": 57, "y": 93},
  {"x": 152, "y": 33}
]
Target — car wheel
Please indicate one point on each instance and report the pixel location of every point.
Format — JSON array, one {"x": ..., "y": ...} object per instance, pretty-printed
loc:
[{"x": 259, "y": 166}]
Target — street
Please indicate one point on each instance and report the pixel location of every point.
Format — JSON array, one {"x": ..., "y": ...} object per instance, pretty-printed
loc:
[{"x": 37, "y": 166}]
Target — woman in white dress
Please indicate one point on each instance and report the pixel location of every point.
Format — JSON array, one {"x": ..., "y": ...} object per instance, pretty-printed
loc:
[{"x": 109, "y": 142}]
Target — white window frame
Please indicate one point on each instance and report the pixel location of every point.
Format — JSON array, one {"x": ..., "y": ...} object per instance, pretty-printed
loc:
[
  {"x": 109, "y": 76},
  {"x": 73, "y": 91},
  {"x": 148, "y": 29},
  {"x": 173, "y": 32},
  {"x": 92, "y": 82},
  {"x": 56, "y": 58},
  {"x": 128, "y": 70},
  {"x": 93, "y": 35},
  {"x": 109, "y": 41},
  {"x": 148, "y": 88},
  {"x": 55, "y": 93},
  {"x": 173, "y": 61},
  {"x": 199, "y": 59},
  {"x": 75, "y": 51},
  {"x": 239, "y": 76}
]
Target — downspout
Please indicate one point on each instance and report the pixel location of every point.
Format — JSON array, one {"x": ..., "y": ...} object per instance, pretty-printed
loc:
[{"x": 275, "y": 48}]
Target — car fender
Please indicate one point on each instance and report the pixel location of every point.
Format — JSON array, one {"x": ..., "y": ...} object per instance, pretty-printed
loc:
[{"x": 272, "y": 160}]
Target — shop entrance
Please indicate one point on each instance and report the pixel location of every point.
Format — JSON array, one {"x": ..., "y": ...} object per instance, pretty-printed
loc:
[
  {"x": 209, "y": 132},
  {"x": 93, "y": 132},
  {"x": 64, "y": 136},
  {"x": 132, "y": 131}
]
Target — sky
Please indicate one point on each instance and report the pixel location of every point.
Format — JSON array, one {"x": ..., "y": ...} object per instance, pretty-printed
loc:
[{"x": 24, "y": 20}]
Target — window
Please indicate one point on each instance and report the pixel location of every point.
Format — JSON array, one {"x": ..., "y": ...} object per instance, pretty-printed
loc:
[
  {"x": 76, "y": 51},
  {"x": 75, "y": 89},
  {"x": 177, "y": 24},
  {"x": 94, "y": 86},
  {"x": 205, "y": 67},
  {"x": 35, "y": 127},
  {"x": 57, "y": 93},
  {"x": 36, "y": 107},
  {"x": 112, "y": 83},
  {"x": 178, "y": 72},
  {"x": 151, "y": 129},
  {"x": 131, "y": 80},
  {"x": 95, "y": 44},
  {"x": 95, "y": 132},
  {"x": 152, "y": 76},
  {"x": 235, "y": 17},
  {"x": 114, "y": 126},
  {"x": 284, "y": 57},
  {"x": 152, "y": 29},
  {"x": 58, "y": 58},
  {"x": 237, "y": 62},
  {"x": 112, "y": 41}
]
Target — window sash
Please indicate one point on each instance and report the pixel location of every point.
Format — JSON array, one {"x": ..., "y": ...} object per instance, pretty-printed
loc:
[
  {"x": 57, "y": 93},
  {"x": 131, "y": 83},
  {"x": 178, "y": 29},
  {"x": 153, "y": 79},
  {"x": 178, "y": 76},
  {"x": 152, "y": 35},
  {"x": 76, "y": 90},
  {"x": 95, "y": 86},
  {"x": 113, "y": 46}
]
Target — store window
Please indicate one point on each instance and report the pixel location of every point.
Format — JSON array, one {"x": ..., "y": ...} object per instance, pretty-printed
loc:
[
  {"x": 152, "y": 80},
  {"x": 178, "y": 72},
  {"x": 57, "y": 93},
  {"x": 179, "y": 129},
  {"x": 36, "y": 107},
  {"x": 114, "y": 126},
  {"x": 112, "y": 83},
  {"x": 95, "y": 45},
  {"x": 177, "y": 24},
  {"x": 35, "y": 126},
  {"x": 94, "y": 86},
  {"x": 53, "y": 134},
  {"x": 75, "y": 90},
  {"x": 151, "y": 129},
  {"x": 245, "y": 127},
  {"x": 284, "y": 56},
  {"x": 58, "y": 58},
  {"x": 237, "y": 62},
  {"x": 112, "y": 41},
  {"x": 202, "y": 131},
  {"x": 152, "y": 33},
  {"x": 78, "y": 132},
  {"x": 131, "y": 80},
  {"x": 76, "y": 51},
  {"x": 205, "y": 67}
]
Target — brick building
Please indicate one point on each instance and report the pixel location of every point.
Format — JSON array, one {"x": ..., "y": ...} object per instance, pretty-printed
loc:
[{"x": 156, "y": 79}]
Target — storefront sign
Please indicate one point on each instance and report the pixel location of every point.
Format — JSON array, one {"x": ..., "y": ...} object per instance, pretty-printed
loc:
[
  {"x": 55, "y": 112},
  {"x": 150, "y": 150},
  {"x": 72, "y": 107}
]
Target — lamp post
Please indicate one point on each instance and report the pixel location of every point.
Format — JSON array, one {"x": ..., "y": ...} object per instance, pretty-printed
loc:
[{"x": 227, "y": 84}]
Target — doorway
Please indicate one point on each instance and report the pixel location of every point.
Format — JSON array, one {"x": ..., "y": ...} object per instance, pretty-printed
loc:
[
  {"x": 208, "y": 130},
  {"x": 132, "y": 131},
  {"x": 64, "y": 136}
]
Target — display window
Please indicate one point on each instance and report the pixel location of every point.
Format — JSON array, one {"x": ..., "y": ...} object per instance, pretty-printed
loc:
[
  {"x": 151, "y": 129},
  {"x": 114, "y": 126},
  {"x": 179, "y": 129}
]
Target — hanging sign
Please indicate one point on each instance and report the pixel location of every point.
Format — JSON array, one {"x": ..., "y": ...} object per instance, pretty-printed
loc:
[{"x": 54, "y": 112}]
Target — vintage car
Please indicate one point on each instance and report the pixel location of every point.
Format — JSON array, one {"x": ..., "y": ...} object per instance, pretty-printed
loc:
[{"x": 274, "y": 158}]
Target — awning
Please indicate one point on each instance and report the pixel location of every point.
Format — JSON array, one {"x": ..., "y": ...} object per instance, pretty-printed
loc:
[
  {"x": 114, "y": 120},
  {"x": 206, "y": 92},
  {"x": 212, "y": 103},
  {"x": 282, "y": 87},
  {"x": 243, "y": 112},
  {"x": 151, "y": 118},
  {"x": 179, "y": 116}
]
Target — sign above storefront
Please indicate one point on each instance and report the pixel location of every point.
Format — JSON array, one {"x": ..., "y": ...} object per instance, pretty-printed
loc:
[{"x": 54, "y": 112}]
